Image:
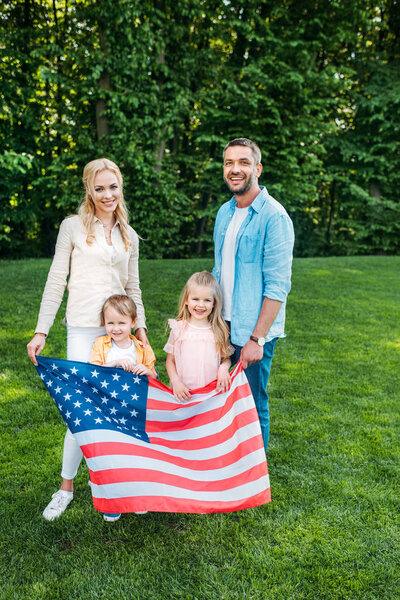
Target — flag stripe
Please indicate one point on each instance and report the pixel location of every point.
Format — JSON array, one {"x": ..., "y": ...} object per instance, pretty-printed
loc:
[
  {"x": 178, "y": 505},
  {"x": 121, "y": 449},
  {"x": 146, "y": 474}
]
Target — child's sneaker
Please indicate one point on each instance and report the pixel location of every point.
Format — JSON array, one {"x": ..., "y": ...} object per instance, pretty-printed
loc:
[
  {"x": 111, "y": 517},
  {"x": 141, "y": 512},
  {"x": 57, "y": 505}
]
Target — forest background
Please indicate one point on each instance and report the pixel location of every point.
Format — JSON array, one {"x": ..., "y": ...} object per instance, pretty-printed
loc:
[{"x": 161, "y": 86}]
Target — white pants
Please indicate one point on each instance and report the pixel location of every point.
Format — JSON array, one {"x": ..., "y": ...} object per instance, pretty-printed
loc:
[{"x": 79, "y": 346}]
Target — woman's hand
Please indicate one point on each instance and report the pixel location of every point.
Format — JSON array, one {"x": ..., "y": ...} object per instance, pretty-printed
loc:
[
  {"x": 35, "y": 346},
  {"x": 141, "y": 335},
  {"x": 223, "y": 378}
]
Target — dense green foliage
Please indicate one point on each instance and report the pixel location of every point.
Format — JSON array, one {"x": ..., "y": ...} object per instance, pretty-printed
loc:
[
  {"x": 160, "y": 87},
  {"x": 331, "y": 531}
]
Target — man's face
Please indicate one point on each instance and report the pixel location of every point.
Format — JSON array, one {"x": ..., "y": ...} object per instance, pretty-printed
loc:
[{"x": 240, "y": 169}]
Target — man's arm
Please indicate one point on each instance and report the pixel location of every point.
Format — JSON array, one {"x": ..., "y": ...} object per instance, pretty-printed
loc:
[{"x": 252, "y": 352}]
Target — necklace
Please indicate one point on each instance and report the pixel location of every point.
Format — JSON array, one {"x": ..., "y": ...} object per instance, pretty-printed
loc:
[{"x": 107, "y": 231}]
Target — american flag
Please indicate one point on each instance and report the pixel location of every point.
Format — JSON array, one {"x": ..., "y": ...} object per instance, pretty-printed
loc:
[{"x": 147, "y": 451}]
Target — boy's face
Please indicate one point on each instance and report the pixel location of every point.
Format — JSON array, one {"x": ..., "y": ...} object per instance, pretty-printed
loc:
[{"x": 118, "y": 326}]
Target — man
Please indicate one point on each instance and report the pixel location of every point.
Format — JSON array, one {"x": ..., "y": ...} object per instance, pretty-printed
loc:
[{"x": 253, "y": 238}]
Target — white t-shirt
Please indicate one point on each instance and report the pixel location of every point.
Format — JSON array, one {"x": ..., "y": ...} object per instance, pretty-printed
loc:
[
  {"x": 117, "y": 353},
  {"x": 228, "y": 260}
]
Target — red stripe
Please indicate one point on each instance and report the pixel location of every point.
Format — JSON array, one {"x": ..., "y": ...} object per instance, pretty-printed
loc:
[
  {"x": 150, "y": 475},
  {"x": 218, "y": 462},
  {"x": 214, "y": 439},
  {"x": 178, "y": 505},
  {"x": 211, "y": 416}
]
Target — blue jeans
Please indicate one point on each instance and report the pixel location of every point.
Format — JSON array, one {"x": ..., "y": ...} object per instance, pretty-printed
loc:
[{"x": 258, "y": 375}]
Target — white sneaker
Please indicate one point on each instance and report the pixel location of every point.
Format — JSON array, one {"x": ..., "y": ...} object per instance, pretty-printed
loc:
[
  {"x": 141, "y": 512},
  {"x": 57, "y": 505}
]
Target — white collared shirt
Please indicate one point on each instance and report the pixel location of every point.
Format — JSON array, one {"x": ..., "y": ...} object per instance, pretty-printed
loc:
[{"x": 94, "y": 273}]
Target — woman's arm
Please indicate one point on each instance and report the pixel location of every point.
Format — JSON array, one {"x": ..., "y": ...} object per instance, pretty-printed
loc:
[{"x": 54, "y": 290}]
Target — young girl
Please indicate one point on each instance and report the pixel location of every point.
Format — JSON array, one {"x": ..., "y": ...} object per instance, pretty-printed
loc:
[
  {"x": 198, "y": 350},
  {"x": 119, "y": 348}
]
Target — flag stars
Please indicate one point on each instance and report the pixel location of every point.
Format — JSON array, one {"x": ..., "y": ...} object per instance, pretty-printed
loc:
[
  {"x": 77, "y": 404},
  {"x": 113, "y": 411},
  {"x": 67, "y": 396},
  {"x": 54, "y": 366},
  {"x": 126, "y": 387},
  {"x": 113, "y": 394},
  {"x": 136, "y": 379},
  {"x": 123, "y": 403},
  {"x": 87, "y": 399},
  {"x": 104, "y": 400},
  {"x": 116, "y": 377},
  {"x": 88, "y": 412},
  {"x": 123, "y": 421},
  {"x": 66, "y": 375},
  {"x": 104, "y": 384},
  {"x": 74, "y": 370},
  {"x": 84, "y": 380},
  {"x": 135, "y": 397},
  {"x": 42, "y": 376},
  {"x": 67, "y": 414},
  {"x": 98, "y": 420},
  {"x": 77, "y": 422},
  {"x": 49, "y": 383},
  {"x": 94, "y": 373},
  {"x": 134, "y": 413},
  {"x": 57, "y": 390}
]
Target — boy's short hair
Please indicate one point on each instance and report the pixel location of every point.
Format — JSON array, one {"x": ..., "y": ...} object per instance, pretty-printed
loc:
[{"x": 122, "y": 304}]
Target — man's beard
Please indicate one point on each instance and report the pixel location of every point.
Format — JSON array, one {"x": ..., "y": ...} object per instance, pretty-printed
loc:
[{"x": 248, "y": 185}]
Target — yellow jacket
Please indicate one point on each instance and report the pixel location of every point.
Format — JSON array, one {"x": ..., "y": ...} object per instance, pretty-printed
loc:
[{"x": 102, "y": 346}]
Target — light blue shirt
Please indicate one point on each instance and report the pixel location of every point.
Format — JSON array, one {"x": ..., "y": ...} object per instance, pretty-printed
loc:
[{"x": 263, "y": 263}]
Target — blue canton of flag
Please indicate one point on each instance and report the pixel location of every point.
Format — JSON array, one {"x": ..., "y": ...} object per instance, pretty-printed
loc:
[{"x": 93, "y": 397}]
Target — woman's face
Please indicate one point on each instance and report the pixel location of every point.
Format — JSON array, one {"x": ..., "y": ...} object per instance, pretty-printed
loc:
[{"x": 106, "y": 193}]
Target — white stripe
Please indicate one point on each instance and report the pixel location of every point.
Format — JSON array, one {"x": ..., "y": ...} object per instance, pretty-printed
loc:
[
  {"x": 121, "y": 461},
  {"x": 148, "y": 488},
  {"x": 106, "y": 435}
]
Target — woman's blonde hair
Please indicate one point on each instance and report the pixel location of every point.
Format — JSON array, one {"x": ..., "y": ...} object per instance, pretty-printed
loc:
[
  {"x": 122, "y": 304},
  {"x": 87, "y": 209},
  {"x": 218, "y": 325}
]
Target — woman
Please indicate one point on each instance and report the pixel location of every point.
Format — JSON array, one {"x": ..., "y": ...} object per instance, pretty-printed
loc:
[{"x": 99, "y": 252}]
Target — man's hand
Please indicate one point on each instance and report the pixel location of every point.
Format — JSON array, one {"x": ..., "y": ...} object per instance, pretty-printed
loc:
[{"x": 251, "y": 353}]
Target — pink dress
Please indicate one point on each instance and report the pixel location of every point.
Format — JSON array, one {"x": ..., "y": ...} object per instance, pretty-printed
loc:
[{"x": 195, "y": 353}]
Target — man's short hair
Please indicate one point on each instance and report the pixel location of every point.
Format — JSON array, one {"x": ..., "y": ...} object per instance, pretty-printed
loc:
[{"x": 245, "y": 142}]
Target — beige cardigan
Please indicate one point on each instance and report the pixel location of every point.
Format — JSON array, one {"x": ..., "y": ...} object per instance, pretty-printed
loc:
[{"x": 95, "y": 273}]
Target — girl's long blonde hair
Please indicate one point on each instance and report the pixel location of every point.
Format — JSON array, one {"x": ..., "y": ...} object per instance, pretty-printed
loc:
[
  {"x": 218, "y": 325},
  {"x": 87, "y": 209}
]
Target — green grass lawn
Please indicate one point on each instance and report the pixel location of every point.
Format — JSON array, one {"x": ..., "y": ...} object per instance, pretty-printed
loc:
[{"x": 332, "y": 528}]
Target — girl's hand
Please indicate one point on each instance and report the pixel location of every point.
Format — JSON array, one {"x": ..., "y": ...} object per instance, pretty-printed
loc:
[
  {"x": 181, "y": 392},
  {"x": 126, "y": 364},
  {"x": 141, "y": 335},
  {"x": 223, "y": 378},
  {"x": 142, "y": 370},
  {"x": 35, "y": 346}
]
